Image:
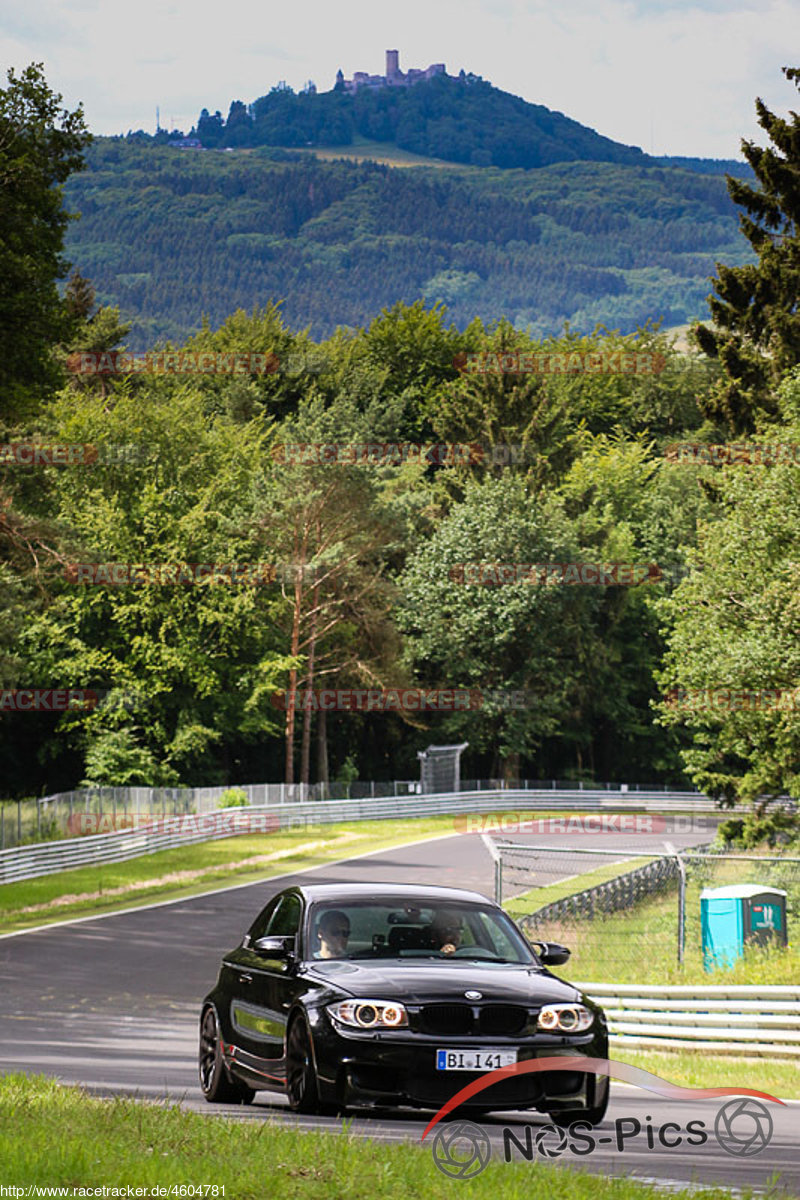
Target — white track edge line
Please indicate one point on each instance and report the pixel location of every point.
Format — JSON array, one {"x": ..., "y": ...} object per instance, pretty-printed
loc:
[{"x": 438, "y": 837}]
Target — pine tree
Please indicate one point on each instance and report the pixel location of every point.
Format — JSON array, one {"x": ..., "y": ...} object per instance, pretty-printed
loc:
[
  {"x": 79, "y": 296},
  {"x": 41, "y": 144},
  {"x": 756, "y": 333}
]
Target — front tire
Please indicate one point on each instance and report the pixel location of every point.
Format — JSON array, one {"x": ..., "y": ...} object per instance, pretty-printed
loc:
[
  {"x": 215, "y": 1082},
  {"x": 302, "y": 1088},
  {"x": 593, "y": 1115}
]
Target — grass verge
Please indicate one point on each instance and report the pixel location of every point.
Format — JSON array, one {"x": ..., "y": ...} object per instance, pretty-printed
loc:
[
  {"x": 692, "y": 1069},
  {"x": 52, "y": 1135},
  {"x": 187, "y": 870}
]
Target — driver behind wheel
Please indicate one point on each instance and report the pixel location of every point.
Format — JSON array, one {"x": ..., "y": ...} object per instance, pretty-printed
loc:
[{"x": 446, "y": 931}]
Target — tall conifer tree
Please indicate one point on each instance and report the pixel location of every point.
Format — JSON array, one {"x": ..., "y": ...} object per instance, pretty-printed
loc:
[{"x": 756, "y": 332}]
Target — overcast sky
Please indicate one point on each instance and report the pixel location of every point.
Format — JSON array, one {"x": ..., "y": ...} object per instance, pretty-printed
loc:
[{"x": 671, "y": 77}]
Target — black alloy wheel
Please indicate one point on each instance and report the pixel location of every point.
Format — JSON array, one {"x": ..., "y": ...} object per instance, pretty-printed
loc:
[
  {"x": 301, "y": 1077},
  {"x": 215, "y": 1082}
]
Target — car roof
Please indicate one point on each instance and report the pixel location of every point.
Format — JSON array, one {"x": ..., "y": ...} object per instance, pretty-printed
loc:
[{"x": 342, "y": 892}]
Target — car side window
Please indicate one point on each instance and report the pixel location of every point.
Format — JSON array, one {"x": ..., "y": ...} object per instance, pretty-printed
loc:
[
  {"x": 285, "y": 920},
  {"x": 259, "y": 926}
]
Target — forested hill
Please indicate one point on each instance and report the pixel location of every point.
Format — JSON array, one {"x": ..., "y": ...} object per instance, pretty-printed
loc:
[
  {"x": 464, "y": 120},
  {"x": 169, "y": 235}
]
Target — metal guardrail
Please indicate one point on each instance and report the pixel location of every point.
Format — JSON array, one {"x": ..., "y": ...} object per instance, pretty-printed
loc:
[
  {"x": 717, "y": 1019},
  {"x": 59, "y": 815},
  {"x": 44, "y": 858}
]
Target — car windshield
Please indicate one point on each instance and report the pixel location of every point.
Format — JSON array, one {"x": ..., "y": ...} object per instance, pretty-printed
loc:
[{"x": 405, "y": 930}]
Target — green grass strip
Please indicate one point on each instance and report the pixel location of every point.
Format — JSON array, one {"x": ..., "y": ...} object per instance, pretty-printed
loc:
[
  {"x": 198, "y": 867},
  {"x": 52, "y": 1135},
  {"x": 692, "y": 1068}
]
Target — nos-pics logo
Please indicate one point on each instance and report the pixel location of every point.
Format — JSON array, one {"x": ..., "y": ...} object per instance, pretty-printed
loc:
[
  {"x": 743, "y": 1126},
  {"x": 462, "y": 1150}
]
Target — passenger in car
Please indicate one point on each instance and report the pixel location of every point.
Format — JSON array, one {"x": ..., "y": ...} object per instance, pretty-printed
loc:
[{"x": 445, "y": 931}]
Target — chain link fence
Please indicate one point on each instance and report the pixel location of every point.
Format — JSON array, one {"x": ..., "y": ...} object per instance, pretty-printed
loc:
[
  {"x": 630, "y": 917},
  {"x": 605, "y": 904},
  {"x": 23, "y": 822}
]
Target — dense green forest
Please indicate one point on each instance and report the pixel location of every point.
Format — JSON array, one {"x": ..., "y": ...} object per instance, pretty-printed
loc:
[
  {"x": 172, "y": 235},
  {"x": 370, "y": 587}
]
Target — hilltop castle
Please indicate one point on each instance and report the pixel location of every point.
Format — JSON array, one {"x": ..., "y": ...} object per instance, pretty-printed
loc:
[{"x": 394, "y": 77}]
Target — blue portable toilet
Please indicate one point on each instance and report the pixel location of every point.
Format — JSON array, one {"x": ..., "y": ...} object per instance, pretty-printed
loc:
[{"x": 743, "y": 912}]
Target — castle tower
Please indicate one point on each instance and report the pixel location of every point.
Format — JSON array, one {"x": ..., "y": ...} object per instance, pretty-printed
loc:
[{"x": 392, "y": 63}]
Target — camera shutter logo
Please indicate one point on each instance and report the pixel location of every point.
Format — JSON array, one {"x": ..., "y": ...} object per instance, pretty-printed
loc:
[
  {"x": 540, "y": 1141},
  {"x": 743, "y": 1127},
  {"x": 461, "y": 1150}
]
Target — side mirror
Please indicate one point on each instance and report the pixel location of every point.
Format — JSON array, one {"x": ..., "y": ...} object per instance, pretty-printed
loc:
[
  {"x": 274, "y": 947},
  {"x": 551, "y": 954}
]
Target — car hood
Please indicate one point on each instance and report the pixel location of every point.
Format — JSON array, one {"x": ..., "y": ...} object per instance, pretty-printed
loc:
[{"x": 434, "y": 981}]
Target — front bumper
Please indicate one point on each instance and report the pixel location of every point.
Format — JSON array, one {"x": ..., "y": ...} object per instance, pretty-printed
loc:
[{"x": 399, "y": 1068}]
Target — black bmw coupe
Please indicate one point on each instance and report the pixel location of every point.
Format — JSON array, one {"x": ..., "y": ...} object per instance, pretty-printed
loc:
[{"x": 370, "y": 995}]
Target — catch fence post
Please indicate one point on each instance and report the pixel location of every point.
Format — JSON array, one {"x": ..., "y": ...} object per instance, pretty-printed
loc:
[
  {"x": 489, "y": 843},
  {"x": 681, "y": 901},
  {"x": 681, "y": 911}
]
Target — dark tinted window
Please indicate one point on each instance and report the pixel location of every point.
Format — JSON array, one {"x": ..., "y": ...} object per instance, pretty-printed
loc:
[
  {"x": 286, "y": 918},
  {"x": 259, "y": 926}
]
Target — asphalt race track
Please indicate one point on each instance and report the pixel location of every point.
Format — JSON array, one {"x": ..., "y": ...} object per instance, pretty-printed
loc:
[{"x": 112, "y": 1003}]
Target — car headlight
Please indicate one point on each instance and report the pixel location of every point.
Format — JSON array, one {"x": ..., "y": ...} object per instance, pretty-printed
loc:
[
  {"x": 369, "y": 1014},
  {"x": 565, "y": 1018}
]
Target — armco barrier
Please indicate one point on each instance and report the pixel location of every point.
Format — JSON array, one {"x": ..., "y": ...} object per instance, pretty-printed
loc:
[
  {"x": 45, "y": 858},
  {"x": 717, "y": 1019}
]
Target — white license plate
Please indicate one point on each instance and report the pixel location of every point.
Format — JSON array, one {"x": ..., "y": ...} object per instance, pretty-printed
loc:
[{"x": 474, "y": 1060}]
